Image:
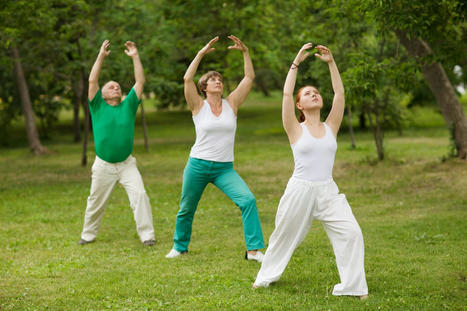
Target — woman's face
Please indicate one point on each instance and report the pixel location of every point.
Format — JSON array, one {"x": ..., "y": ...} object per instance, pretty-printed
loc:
[
  {"x": 310, "y": 98},
  {"x": 214, "y": 85}
]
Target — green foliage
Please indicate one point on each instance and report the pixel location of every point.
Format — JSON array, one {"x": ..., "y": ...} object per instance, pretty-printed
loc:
[{"x": 61, "y": 38}]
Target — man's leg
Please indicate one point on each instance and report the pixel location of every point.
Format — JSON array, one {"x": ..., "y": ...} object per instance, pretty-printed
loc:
[
  {"x": 104, "y": 178},
  {"x": 131, "y": 179}
]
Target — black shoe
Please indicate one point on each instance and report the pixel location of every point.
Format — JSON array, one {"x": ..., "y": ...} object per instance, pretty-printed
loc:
[
  {"x": 84, "y": 242},
  {"x": 149, "y": 242}
]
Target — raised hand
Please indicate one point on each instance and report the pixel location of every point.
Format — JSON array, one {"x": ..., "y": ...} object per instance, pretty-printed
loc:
[
  {"x": 238, "y": 44},
  {"x": 104, "y": 48},
  {"x": 303, "y": 54},
  {"x": 324, "y": 54},
  {"x": 208, "y": 47},
  {"x": 131, "y": 49}
]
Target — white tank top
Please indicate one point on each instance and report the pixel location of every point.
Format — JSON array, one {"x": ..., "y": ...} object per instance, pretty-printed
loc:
[
  {"x": 215, "y": 136},
  {"x": 314, "y": 157}
]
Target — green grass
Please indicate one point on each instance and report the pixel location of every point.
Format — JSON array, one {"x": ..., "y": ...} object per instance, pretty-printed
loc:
[{"x": 411, "y": 208}]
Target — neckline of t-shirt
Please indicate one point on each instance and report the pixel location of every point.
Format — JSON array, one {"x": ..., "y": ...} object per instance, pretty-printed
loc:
[
  {"x": 317, "y": 138},
  {"x": 210, "y": 110}
]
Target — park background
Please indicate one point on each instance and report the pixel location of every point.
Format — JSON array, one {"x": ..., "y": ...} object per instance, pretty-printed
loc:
[{"x": 400, "y": 159}]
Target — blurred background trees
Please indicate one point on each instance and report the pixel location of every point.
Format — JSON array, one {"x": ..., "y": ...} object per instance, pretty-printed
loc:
[{"x": 376, "y": 44}]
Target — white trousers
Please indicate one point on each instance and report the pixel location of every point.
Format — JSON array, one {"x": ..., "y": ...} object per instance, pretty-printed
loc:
[
  {"x": 302, "y": 202},
  {"x": 104, "y": 177}
]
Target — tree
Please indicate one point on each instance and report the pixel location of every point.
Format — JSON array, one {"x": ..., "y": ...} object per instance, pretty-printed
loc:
[
  {"x": 14, "y": 16},
  {"x": 419, "y": 25}
]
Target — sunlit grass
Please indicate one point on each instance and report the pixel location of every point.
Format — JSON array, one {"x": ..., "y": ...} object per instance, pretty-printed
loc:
[{"x": 411, "y": 207}]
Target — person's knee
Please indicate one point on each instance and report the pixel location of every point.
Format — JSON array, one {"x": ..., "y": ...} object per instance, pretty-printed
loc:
[
  {"x": 187, "y": 208},
  {"x": 354, "y": 233},
  {"x": 248, "y": 201}
]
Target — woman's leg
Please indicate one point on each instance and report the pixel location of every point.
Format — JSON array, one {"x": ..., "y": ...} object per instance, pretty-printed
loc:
[
  {"x": 347, "y": 242},
  {"x": 195, "y": 179},
  {"x": 293, "y": 221},
  {"x": 228, "y": 181}
]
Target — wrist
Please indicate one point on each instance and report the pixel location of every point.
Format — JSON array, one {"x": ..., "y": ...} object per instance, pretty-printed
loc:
[{"x": 294, "y": 65}]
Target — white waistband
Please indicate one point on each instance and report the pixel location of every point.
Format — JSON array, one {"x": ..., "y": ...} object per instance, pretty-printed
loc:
[
  {"x": 311, "y": 182},
  {"x": 116, "y": 163}
]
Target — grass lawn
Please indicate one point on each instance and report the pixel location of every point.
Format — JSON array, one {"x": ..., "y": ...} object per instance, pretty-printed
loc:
[{"x": 411, "y": 208}]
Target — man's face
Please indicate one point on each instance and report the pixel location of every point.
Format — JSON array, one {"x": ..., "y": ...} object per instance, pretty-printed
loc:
[{"x": 111, "y": 90}]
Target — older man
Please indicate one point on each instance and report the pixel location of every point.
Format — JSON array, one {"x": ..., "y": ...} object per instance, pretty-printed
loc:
[{"x": 113, "y": 122}]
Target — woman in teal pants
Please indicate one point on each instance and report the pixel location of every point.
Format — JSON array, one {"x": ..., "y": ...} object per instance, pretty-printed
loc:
[{"x": 211, "y": 157}]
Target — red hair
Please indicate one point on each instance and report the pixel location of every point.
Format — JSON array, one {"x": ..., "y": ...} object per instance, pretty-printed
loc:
[{"x": 301, "y": 118}]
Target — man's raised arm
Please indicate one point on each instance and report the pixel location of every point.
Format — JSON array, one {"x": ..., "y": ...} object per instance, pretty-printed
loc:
[
  {"x": 132, "y": 51},
  {"x": 96, "y": 70}
]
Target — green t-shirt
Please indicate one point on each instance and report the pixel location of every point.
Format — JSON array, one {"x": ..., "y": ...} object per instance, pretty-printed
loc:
[{"x": 113, "y": 126}]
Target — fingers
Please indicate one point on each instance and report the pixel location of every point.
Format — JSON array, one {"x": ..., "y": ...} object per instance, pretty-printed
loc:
[
  {"x": 322, "y": 49},
  {"x": 105, "y": 44},
  {"x": 307, "y": 46},
  {"x": 104, "y": 47},
  {"x": 214, "y": 40},
  {"x": 235, "y": 39},
  {"x": 239, "y": 45}
]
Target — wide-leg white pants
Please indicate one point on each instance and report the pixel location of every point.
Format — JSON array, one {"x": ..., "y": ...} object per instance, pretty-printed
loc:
[
  {"x": 302, "y": 202},
  {"x": 104, "y": 177}
]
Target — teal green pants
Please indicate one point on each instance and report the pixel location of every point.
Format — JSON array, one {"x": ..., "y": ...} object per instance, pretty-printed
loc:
[{"x": 198, "y": 173}]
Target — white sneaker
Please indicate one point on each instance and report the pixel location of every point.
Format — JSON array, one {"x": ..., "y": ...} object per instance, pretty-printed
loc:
[
  {"x": 258, "y": 256},
  {"x": 174, "y": 253}
]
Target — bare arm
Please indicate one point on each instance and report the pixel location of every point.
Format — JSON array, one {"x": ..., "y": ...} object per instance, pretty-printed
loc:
[
  {"x": 192, "y": 97},
  {"x": 289, "y": 120},
  {"x": 96, "y": 70},
  {"x": 334, "y": 118},
  {"x": 132, "y": 51},
  {"x": 238, "y": 96}
]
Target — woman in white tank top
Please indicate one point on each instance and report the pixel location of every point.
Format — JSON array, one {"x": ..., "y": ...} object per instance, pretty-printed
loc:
[
  {"x": 211, "y": 157},
  {"x": 311, "y": 192}
]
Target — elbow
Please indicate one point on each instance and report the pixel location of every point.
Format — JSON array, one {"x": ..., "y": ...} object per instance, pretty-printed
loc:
[
  {"x": 187, "y": 78},
  {"x": 93, "y": 81}
]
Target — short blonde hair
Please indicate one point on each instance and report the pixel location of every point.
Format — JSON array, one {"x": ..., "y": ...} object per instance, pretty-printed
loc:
[{"x": 203, "y": 81}]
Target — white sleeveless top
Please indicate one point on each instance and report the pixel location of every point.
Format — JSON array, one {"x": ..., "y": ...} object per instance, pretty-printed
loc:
[
  {"x": 314, "y": 157},
  {"x": 215, "y": 136}
]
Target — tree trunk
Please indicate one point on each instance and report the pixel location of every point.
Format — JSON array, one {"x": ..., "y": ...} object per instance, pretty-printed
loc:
[
  {"x": 349, "y": 116},
  {"x": 145, "y": 128},
  {"x": 376, "y": 128},
  {"x": 78, "y": 87},
  {"x": 443, "y": 90},
  {"x": 26, "y": 105},
  {"x": 361, "y": 120},
  {"x": 84, "y": 101},
  {"x": 87, "y": 119}
]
